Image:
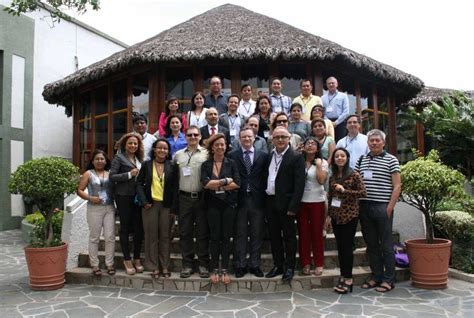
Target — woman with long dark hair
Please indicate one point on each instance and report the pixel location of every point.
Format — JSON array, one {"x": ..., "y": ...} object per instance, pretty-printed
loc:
[
  {"x": 346, "y": 187},
  {"x": 297, "y": 124},
  {"x": 311, "y": 216},
  {"x": 100, "y": 209},
  {"x": 157, "y": 191},
  {"x": 318, "y": 130},
  {"x": 124, "y": 171},
  {"x": 263, "y": 109},
  {"x": 220, "y": 179},
  {"x": 172, "y": 108},
  {"x": 197, "y": 115},
  {"x": 318, "y": 112},
  {"x": 174, "y": 135}
]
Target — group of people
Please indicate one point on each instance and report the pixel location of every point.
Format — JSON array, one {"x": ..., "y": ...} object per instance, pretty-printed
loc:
[{"x": 235, "y": 168}]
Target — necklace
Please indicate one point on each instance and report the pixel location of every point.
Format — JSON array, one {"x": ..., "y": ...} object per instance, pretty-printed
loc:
[
  {"x": 101, "y": 180},
  {"x": 160, "y": 167}
]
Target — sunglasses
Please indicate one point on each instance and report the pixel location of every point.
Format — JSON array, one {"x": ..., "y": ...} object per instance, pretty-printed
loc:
[
  {"x": 192, "y": 135},
  {"x": 282, "y": 121}
]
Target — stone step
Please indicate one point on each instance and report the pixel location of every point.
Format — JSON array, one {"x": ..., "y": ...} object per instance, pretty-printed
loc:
[
  {"x": 329, "y": 243},
  {"x": 246, "y": 284},
  {"x": 330, "y": 260}
]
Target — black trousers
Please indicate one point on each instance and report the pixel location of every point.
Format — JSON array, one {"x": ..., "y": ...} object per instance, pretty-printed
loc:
[
  {"x": 221, "y": 225},
  {"x": 248, "y": 223},
  {"x": 279, "y": 222},
  {"x": 192, "y": 222},
  {"x": 130, "y": 218},
  {"x": 345, "y": 234}
]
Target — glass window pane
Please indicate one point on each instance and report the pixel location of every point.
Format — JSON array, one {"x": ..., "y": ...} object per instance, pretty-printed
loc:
[
  {"x": 101, "y": 140},
  {"x": 119, "y": 90},
  {"x": 179, "y": 83},
  {"x": 367, "y": 120},
  {"x": 141, "y": 95},
  {"x": 101, "y": 100},
  {"x": 85, "y": 135},
  {"x": 223, "y": 71},
  {"x": 257, "y": 76},
  {"x": 291, "y": 75},
  {"x": 119, "y": 122},
  {"x": 85, "y": 108}
]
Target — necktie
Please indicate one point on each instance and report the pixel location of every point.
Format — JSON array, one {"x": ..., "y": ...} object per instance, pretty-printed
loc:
[
  {"x": 247, "y": 161},
  {"x": 213, "y": 131}
]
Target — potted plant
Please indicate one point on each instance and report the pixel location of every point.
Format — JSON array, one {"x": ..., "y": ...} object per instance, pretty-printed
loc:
[
  {"x": 46, "y": 181},
  {"x": 426, "y": 181}
]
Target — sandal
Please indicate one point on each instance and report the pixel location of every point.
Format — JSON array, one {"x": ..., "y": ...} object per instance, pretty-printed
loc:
[
  {"x": 306, "y": 270},
  {"x": 138, "y": 265},
  {"x": 385, "y": 287},
  {"x": 111, "y": 270},
  {"x": 318, "y": 271},
  {"x": 343, "y": 287},
  {"x": 215, "y": 277},
  {"x": 129, "y": 269},
  {"x": 96, "y": 271},
  {"x": 369, "y": 283},
  {"x": 225, "y": 277},
  {"x": 155, "y": 274}
]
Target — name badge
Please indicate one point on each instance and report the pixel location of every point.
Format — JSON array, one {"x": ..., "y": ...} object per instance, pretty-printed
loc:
[
  {"x": 266, "y": 133},
  {"x": 186, "y": 171},
  {"x": 103, "y": 195},
  {"x": 336, "y": 203},
  {"x": 368, "y": 174},
  {"x": 329, "y": 109},
  {"x": 220, "y": 191},
  {"x": 232, "y": 132}
]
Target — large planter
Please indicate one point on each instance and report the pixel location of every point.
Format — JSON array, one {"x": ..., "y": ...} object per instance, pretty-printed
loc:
[
  {"x": 47, "y": 266},
  {"x": 429, "y": 263}
]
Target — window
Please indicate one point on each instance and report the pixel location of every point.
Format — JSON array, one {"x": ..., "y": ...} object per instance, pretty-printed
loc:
[
  {"x": 291, "y": 75},
  {"x": 140, "y": 94},
  {"x": 406, "y": 136},
  {"x": 256, "y": 75},
  {"x": 179, "y": 83}
]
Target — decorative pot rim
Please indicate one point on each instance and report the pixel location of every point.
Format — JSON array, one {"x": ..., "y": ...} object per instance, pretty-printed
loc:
[
  {"x": 50, "y": 248},
  {"x": 437, "y": 242}
]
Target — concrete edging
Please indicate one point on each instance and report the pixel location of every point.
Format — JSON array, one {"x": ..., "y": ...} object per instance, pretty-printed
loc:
[{"x": 454, "y": 273}]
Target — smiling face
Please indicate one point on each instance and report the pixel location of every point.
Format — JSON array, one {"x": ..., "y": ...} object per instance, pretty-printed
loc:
[
  {"x": 232, "y": 104},
  {"x": 340, "y": 158},
  {"x": 280, "y": 139},
  {"x": 173, "y": 106},
  {"x": 311, "y": 147},
  {"x": 246, "y": 92},
  {"x": 218, "y": 147},
  {"x": 317, "y": 112},
  {"x": 332, "y": 84},
  {"x": 276, "y": 87},
  {"x": 264, "y": 106},
  {"x": 140, "y": 127},
  {"x": 319, "y": 130},
  {"x": 199, "y": 101},
  {"x": 131, "y": 146},
  {"x": 296, "y": 113},
  {"x": 99, "y": 162},
  {"x": 376, "y": 144},
  {"x": 353, "y": 125},
  {"x": 306, "y": 88},
  {"x": 281, "y": 121},
  {"x": 193, "y": 137},
  {"x": 247, "y": 138},
  {"x": 212, "y": 116},
  {"x": 175, "y": 125},
  {"x": 161, "y": 151}
]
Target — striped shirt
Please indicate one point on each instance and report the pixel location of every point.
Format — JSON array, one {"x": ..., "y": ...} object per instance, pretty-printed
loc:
[{"x": 376, "y": 172}]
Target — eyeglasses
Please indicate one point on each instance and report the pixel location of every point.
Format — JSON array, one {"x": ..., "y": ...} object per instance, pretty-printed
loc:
[
  {"x": 282, "y": 121},
  {"x": 215, "y": 83},
  {"x": 192, "y": 135},
  {"x": 280, "y": 137}
]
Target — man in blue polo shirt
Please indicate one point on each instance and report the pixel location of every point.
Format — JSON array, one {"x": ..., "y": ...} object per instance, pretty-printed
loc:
[
  {"x": 336, "y": 107},
  {"x": 380, "y": 172},
  {"x": 216, "y": 98}
]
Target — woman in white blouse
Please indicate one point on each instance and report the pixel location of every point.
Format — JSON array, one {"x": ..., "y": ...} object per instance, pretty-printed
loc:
[{"x": 197, "y": 114}]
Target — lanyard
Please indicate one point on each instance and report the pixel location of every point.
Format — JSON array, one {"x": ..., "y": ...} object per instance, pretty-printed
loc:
[
  {"x": 190, "y": 156},
  {"x": 232, "y": 122},
  {"x": 277, "y": 162},
  {"x": 330, "y": 99},
  {"x": 247, "y": 110}
]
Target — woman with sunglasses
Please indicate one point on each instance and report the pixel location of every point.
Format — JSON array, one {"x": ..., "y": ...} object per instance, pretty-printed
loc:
[{"x": 281, "y": 120}]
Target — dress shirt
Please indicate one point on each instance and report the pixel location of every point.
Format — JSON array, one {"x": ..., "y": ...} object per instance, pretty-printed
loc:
[
  {"x": 148, "y": 140},
  {"x": 356, "y": 146},
  {"x": 177, "y": 144},
  {"x": 275, "y": 164},
  {"x": 336, "y": 107},
  {"x": 209, "y": 127},
  {"x": 189, "y": 164},
  {"x": 280, "y": 103},
  {"x": 251, "y": 153},
  {"x": 307, "y": 103},
  {"x": 220, "y": 103},
  {"x": 246, "y": 108},
  {"x": 234, "y": 125}
]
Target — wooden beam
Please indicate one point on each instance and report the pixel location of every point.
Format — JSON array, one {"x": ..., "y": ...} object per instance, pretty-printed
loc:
[
  {"x": 375, "y": 107},
  {"x": 392, "y": 127},
  {"x": 235, "y": 78},
  {"x": 153, "y": 99}
]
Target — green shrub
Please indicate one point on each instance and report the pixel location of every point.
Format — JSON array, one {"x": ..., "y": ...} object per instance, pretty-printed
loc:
[
  {"x": 37, "y": 219},
  {"x": 465, "y": 203}
]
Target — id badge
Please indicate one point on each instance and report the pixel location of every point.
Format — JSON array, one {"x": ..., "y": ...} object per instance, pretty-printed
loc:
[
  {"x": 220, "y": 191},
  {"x": 232, "y": 132},
  {"x": 266, "y": 133},
  {"x": 368, "y": 174},
  {"x": 186, "y": 171},
  {"x": 329, "y": 109},
  {"x": 103, "y": 195},
  {"x": 336, "y": 203}
]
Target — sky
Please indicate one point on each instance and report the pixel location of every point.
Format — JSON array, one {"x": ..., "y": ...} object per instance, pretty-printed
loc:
[{"x": 433, "y": 40}]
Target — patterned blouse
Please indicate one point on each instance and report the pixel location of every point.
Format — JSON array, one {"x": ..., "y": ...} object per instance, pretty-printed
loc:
[{"x": 349, "y": 200}]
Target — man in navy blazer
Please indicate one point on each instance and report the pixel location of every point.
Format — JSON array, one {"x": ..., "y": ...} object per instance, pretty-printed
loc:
[
  {"x": 213, "y": 127},
  {"x": 285, "y": 187},
  {"x": 252, "y": 166}
]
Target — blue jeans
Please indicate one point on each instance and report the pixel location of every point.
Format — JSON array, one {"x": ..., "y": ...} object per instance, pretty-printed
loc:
[{"x": 377, "y": 232}]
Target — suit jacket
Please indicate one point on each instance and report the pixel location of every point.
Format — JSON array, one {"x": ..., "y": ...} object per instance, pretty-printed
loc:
[
  {"x": 290, "y": 181},
  {"x": 220, "y": 129},
  {"x": 118, "y": 174},
  {"x": 257, "y": 177},
  {"x": 228, "y": 170},
  {"x": 170, "y": 193},
  {"x": 224, "y": 121}
]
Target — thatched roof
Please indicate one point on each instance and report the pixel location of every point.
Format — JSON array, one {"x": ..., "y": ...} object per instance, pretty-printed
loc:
[
  {"x": 231, "y": 32},
  {"x": 433, "y": 94}
]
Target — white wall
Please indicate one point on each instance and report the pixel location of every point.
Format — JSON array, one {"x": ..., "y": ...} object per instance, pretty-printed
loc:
[{"x": 55, "y": 49}]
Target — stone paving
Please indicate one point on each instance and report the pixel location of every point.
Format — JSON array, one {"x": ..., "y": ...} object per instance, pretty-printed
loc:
[{"x": 18, "y": 300}]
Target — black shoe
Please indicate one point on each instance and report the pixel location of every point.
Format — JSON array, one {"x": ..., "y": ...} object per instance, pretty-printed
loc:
[
  {"x": 240, "y": 272},
  {"x": 186, "y": 272},
  {"x": 275, "y": 271},
  {"x": 288, "y": 276},
  {"x": 203, "y": 272},
  {"x": 256, "y": 271}
]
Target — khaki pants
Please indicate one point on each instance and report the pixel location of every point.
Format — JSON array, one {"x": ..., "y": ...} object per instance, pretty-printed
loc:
[
  {"x": 156, "y": 225},
  {"x": 101, "y": 217}
]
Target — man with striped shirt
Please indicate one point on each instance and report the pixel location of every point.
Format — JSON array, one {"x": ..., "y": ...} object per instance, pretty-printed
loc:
[{"x": 381, "y": 174}]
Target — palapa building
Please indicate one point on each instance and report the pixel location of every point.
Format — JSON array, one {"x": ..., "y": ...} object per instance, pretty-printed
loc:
[{"x": 252, "y": 49}]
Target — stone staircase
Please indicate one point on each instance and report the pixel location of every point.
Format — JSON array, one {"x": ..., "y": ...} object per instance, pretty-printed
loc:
[{"x": 248, "y": 283}]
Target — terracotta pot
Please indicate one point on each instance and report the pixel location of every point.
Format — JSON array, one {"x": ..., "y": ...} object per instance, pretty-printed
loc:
[
  {"x": 429, "y": 263},
  {"x": 47, "y": 266}
]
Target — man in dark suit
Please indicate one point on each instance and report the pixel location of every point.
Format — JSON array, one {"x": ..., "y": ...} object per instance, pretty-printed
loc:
[
  {"x": 252, "y": 166},
  {"x": 285, "y": 186},
  {"x": 213, "y": 127}
]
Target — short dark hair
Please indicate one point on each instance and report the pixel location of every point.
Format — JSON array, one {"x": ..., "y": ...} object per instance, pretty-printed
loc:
[
  {"x": 354, "y": 115},
  {"x": 244, "y": 86},
  {"x": 245, "y": 129},
  {"x": 275, "y": 79},
  {"x": 138, "y": 117},
  {"x": 234, "y": 95},
  {"x": 274, "y": 122},
  {"x": 296, "y": 105},
  {"x": 305, "y": 80}
]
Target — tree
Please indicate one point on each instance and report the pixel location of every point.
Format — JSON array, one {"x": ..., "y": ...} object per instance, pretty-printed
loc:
[
  {"x": 450, "y": 123},
  {"x": 56, "y": 7},
  {"x": 46, "y": 181}
]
